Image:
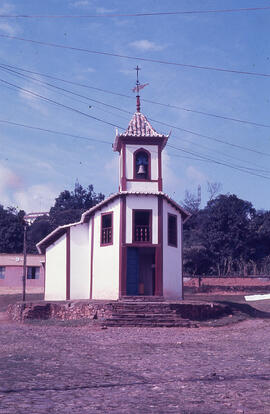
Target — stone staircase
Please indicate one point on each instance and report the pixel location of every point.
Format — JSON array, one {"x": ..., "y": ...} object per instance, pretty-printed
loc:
[
  {"x": 154, "y": 311},
  {"x": 145, "y": 311}
]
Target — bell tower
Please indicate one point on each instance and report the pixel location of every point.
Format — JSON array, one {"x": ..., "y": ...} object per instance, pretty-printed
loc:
[{"x": 140, "y": 150}]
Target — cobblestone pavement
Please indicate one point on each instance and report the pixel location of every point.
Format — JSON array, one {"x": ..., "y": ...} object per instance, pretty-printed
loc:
[{"x": 68, "y": 369}]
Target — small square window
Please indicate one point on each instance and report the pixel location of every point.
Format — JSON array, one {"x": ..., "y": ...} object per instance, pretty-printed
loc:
[
  {"x": 106, "y": 229},
  {"x": 33, "y": 272},
  {"x": 172, "y": 230},
  {"x": 2, "y": 272}
]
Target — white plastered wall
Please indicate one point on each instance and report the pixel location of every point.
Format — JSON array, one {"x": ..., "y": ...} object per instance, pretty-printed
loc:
[
  {"x": 140, "y": 202},
  {"x": 106, "y": 258},
  {"x": 55, "y": 282},
  {"x": 79, "y": 262},
  {"x": 139, "y": 185},
  {"x": 172, "y": 257}
]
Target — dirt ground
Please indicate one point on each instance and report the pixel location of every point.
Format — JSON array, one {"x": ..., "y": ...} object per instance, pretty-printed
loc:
[{"x": 63, "y": 368}]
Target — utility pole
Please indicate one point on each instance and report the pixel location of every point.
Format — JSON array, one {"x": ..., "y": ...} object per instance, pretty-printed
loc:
[{"x": 24, "y": 260}]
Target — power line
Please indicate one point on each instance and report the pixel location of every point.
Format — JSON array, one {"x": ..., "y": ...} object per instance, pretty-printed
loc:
[
  {"x": 60, "y": 104},
  {"x": 175, "y": 13},
  {"x": 243, "y": 169},
  {"x": 199, "y": 157},
  {"x": 128, "y": 112},
  {"x": 52, "y": 131},
  {"x": 163, "y": 62},
  {"x": 144, "y": 100},
  {"x": 82, "y": 113}
]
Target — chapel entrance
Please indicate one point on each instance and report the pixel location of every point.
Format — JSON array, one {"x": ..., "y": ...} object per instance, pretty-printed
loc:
[{"x": 140, "y": 271}]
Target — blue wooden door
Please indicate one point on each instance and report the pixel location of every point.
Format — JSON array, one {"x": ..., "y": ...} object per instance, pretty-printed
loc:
[{"x": 132, "y": 271}]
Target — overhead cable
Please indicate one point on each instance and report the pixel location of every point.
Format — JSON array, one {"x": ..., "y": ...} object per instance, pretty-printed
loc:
[
  {"x": 146, "y": 14},
  {"x": 227, "y": 118},
  {"x": 162, "y": 62}
]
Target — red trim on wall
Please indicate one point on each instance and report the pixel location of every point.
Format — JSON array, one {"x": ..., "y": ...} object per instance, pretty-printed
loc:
[
  {"x": 122, "y": 248},
  {"x": 159, "y": 169},
  {"x": 124, "y": 174},
  {"x": 150, "y": 227},
  {"x": 68, "y": 264},
  {"x": 159, "y": 251},
  {"x": 142, "y": 244},
  {"x": 104, "y": 214},
  {"x": 44, "y": 270},
  {"x": 149, "y": 165},
  {"x": 176, "y": 229},
  {"x": 92, "y": 257},
  {"x": 140, "y": 141},
  {"x": 139, "y": 179},
  {"x": 182, "y": 282}
]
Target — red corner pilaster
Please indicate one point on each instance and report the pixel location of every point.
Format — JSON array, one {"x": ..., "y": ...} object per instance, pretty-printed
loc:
[
  {"x": 124, "y": 176},
  {"x": 159, "y": 169},
  {"x": 92, "y": 257},
  {"x": 122, "y": 248},
  {"x": 68, "y": 264},
  {"x": 159, "y": 250}
]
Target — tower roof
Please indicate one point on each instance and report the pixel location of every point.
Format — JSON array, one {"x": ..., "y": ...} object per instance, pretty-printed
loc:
[{"x": 139, "y": 126}]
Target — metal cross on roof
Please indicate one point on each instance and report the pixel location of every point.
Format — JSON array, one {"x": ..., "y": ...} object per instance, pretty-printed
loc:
[{"x": 137, "y": 89}]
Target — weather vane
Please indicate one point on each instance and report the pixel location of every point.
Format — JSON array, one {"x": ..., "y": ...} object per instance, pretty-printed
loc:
[{"x": 137, "y": 89}]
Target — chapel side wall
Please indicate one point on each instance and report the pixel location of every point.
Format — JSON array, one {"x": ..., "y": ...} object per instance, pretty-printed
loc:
[
  {"x": 105, "y": 282},
  {"x": 141, "y": 202},
  {"x": 79, "y": 262},
  {"x": 172, "y": 257},
  {"x": 55, "y": 273}
]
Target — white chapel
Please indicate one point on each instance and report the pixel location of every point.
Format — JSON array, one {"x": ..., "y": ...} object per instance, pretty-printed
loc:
[{"x": 130, "y": 244}]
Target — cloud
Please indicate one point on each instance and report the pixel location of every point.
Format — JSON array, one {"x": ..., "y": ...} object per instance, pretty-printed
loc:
[
  {"x": 39, "y": 197},
  {"x": 9, "y": 181},
  {"x": 81, "y": 3},
  {"x": 171, "y": 181},
  {"x": 146, "y": 45},
  {"x": 102, "y": 10},
  {"x": 34, "y": 101},
  {"x": 6, "y": 8},
  {"x": 13, "y": 192},
  {"x": 7, "y": 29},
  {"x": 194, "y": 175}
]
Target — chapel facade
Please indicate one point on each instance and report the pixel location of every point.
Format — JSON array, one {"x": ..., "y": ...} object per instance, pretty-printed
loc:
[{"x": 130, "y": 244}]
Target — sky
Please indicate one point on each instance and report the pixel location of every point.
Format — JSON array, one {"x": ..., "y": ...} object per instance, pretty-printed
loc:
[{"x": 36, "y": 165}]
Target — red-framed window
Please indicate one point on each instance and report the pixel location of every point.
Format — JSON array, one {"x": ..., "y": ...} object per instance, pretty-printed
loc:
[
  {"x": 142, "y": 165},
  {"x": 172, "y": 230},
  {"x": 142, "y": 226},
  {"x": 106, "y": 234}
]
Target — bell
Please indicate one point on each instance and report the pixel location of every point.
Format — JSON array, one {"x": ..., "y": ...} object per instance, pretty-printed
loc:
[{"x": 141, "y": 169}]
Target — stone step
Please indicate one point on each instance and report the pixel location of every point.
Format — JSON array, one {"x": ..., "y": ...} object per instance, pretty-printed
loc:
[
  {"x": 145, "y": 315},
  {"x": 142, "y": 299},
  {"x": 147, "y": 322}
]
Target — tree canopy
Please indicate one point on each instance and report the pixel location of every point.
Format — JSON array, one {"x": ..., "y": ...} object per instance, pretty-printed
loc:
[
  {"x": 68, "y": 208},
  {"x": 227, "y": 237},
  {"x": 11, "y": 230}
]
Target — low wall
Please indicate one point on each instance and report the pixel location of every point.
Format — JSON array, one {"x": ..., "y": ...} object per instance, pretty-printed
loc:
[
  {"x": 227, "y": 284},
  {"x": 105, "y": 310},
  {"x": 62, "y": 311}
]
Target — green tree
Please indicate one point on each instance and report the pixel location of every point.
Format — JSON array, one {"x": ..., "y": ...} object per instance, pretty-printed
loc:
[
  {"x": 11, "y": 230},
  {"x": 70, "y": 205},
  {"x": 226, "y": 232}
]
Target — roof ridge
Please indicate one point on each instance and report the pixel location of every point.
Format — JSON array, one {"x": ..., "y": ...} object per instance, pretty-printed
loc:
[{"x": 140, "y": 126}]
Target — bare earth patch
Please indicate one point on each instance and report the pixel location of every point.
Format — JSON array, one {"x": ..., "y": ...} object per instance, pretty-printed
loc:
[{"x": 86, "y": 369}]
